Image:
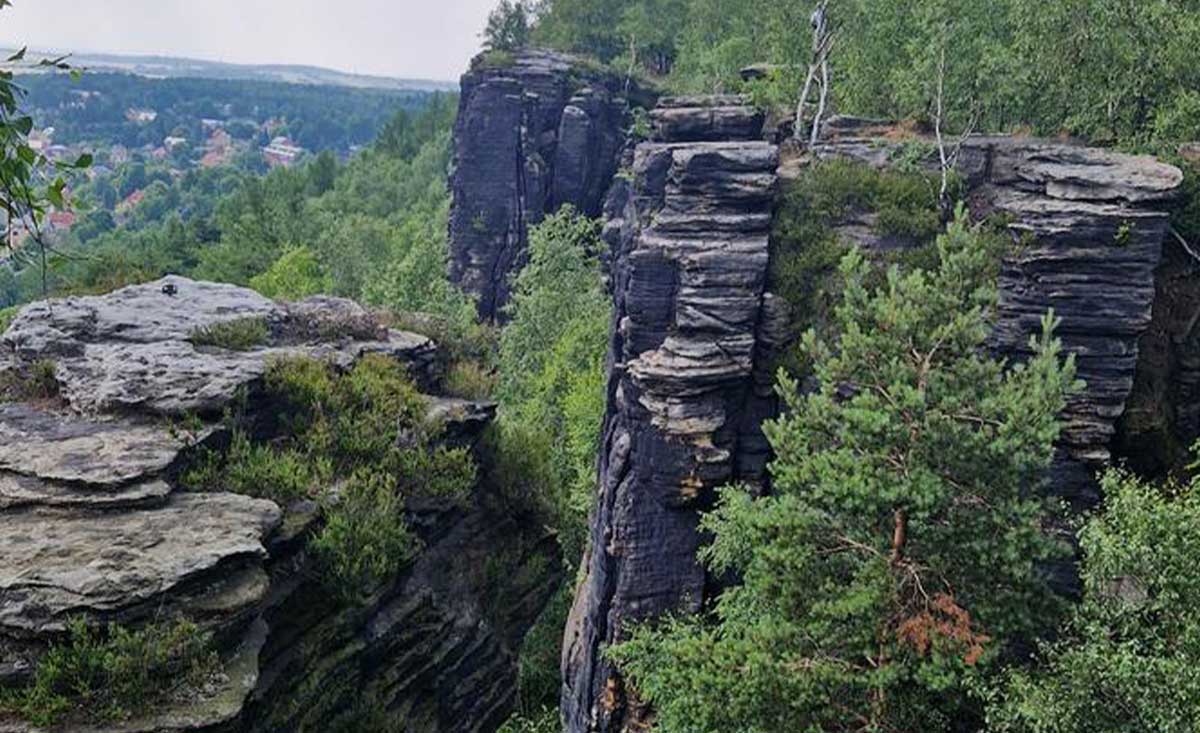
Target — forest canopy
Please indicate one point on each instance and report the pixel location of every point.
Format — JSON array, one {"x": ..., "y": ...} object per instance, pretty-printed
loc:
[{"x": 1115, "y": 71}]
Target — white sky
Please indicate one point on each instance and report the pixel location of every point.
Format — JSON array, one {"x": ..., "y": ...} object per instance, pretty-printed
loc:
[{"x": 428, "y": 39}]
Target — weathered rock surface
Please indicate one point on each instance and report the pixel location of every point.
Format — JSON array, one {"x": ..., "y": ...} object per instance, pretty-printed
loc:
[
  {"x": 539, "y": 131},
  {"x": 715, "y": 118},
  {"x": 1092, "y": 224},
  {"x": 133, "y": 350},
  {"x": 687, "y": 385},
  {"x": 92, "y": 525}
]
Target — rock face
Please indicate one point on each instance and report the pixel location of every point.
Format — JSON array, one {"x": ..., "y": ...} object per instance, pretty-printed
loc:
[
  {"x": 694, "y": 327},
  {"x": 687, "y": 384},
  {"x": 1092, "y": 225},
  {"x": 535, "y": 131},
  {"x": 94, "y": 525}
]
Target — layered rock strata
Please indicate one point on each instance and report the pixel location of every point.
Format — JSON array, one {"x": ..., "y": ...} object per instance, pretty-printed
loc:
[
  {"x": 1090, "y": 227},
  {"x": 93, "y": 525},
  {"x": 535, "y": 131},
  {"x": 687, "y": 384}
]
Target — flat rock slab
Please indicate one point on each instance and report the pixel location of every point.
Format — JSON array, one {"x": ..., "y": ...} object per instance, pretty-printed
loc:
[
  {"x": 136, "y": 314},
  {"x": 54, "y": 564},
  {"x": 66, "y": 448},
  {"x": 27, "y": 491},
  {"x": 132, "y": 350}
]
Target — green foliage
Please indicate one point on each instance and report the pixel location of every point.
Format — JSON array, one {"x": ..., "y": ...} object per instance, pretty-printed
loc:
[
  {"x": 469, "y": 380},
  {"x": 365, "y": 539},
  {"x": 806, "y": 249},
  {"x": 374, "y": 226},
  {"x": 551, "y": 392},
  {"x": 545, "y": 720},
  {"x": 241, "y": 334},
  {"x": 552, "y": 359},
  {"x": 36, "y": 381},
  {"x": 110, "y": 675},
  {"x": 899, "y": 553},
  {"x": 1078, "y": 67},
  {"x": 369, "y": 425},
  {"x": 32, "y": 185},
  {"x": 295, "y": 275},
  {"x": 507, "y": 27},
  {"x": 1127, "y": 658},
  {"x": 7, "y": 315}
]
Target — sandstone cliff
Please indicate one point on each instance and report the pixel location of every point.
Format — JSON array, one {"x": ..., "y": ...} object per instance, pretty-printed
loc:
[
  {"x": 535, "y": 131},
  {"x": 688, "y": 387},
  {"x": 96, "y": 526},
  {"x": 695, "y": 328}
]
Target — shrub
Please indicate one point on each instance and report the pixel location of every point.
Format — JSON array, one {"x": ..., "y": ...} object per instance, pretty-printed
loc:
[
  {"x": 365, "y": 539},
  {"x": 1127, "y": 660},
  {"x": 368, "y": 424},
  {"x": 806, "y": 248},
  {"x": 469, "y": 380},
  {"x": 295, "y": 275},
  {"x": 35, "y": 381},
  {"x": 7, "y": 315},
  {"x": 115, "y": 673},
  {"x": 436, "y": 472},
  {"x": 242, "y": 334}
]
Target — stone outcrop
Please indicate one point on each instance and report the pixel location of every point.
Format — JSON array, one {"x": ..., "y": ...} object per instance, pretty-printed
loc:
[
  {"x": 688, "y": 387},
  {"x": 535, "y": 131},
  {"x": 94, "y": 525},
  {"x": 1091, "y": 226},
  {"x": 694, "y": 328}
]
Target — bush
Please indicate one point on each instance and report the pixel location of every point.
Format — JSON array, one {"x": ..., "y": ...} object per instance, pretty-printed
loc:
[
  {"x": 806, "y": 249},
  {"x": 469, "y": 380},
  {"x": 7, "y": 315},
  {"x": 368, "y": 424},
  {"x": 242, "y": 334},
  {"x": 365, "y": 539},
  {"x": 1128, "y": 658},
  {"x": 295, "y": 275},
  {"x": 36, "y": 381},
  {"x": 113, "y": 674}
]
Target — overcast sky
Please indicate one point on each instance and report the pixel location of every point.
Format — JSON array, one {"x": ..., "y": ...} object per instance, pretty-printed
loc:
[{"x": 429, "y": 39}]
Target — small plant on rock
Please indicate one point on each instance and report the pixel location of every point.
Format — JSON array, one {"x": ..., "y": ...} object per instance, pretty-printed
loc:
[
  {"x": 113, "y": 673},
  {"x": 242, "y": 334}
]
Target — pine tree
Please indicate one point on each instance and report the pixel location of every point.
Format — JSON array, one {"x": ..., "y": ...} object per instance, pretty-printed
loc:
[{"x": 899, "y": 551}]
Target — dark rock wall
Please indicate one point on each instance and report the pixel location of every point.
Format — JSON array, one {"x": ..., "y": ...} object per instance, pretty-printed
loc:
[
  {"x": 534, "y": 133},
  {"x": 687, "y": 385},
  {"x": 694, "y": 328},
  {"x": 1090, "y": 226},
  {"x": 1162, "y": 416}
]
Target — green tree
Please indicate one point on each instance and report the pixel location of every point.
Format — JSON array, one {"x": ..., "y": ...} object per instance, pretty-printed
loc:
[
  {"x": 899, "y": 551},
  {"x": 31, "y": 185},
  {"x": 507, "y": 27},
  {"x": 1129, "y": 659},
  {"x": 552, "y": 397},
  {"x": 294, "y": 276}
]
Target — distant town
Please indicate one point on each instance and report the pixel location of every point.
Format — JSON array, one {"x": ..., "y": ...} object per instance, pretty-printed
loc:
[{"x": 142, "y": 131}]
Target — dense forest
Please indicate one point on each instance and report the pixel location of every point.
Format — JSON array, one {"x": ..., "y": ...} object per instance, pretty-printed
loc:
[{"x": 830, "y": 622}]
